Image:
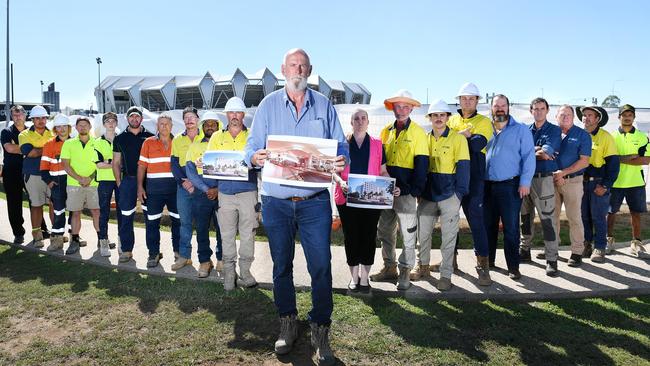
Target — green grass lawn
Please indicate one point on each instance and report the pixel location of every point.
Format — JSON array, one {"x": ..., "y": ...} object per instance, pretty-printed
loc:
[{"x": 54, "y": 312}]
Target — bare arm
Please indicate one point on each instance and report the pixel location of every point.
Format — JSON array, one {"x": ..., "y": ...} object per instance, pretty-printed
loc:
[
  {"x": 35, "y": 153},
  {"x": 12, "y": 148}
]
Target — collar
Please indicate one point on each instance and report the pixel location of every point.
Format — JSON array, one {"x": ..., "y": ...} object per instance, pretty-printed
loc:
[
  {"x": 157, "y": 136},
  {"x": 594, "y": 132},
  {"x": 444, "y": 133},
  {"x": 534, "y": 127},
  {"x": 34, "y": 129},
  {"x": 205, "y": 139},
  {"x": 366, "y": 138},
  {"x": 633, "y": 130},
  {"x": 309, "y": 98},
  {"x": 58, "y": 139},
  {"x": 460, "y": 112},
  {"x": 406, "y": 124}
]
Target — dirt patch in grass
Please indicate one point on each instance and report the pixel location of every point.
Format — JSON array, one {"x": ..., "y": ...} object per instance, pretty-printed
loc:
[{"x": 25, "y": 329}]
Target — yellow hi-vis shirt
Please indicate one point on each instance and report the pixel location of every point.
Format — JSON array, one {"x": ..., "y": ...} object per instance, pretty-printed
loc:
[
  {"x": 82, "y": 159},
  {"x": 602, "y": 146},
  {"x": 194, "y": 152},
  {"x": 478, "y": 125},
  {"x": 629, "y": 144}
]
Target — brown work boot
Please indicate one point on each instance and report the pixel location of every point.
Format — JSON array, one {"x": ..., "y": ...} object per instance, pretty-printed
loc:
[
  {"x": 388, "y": 273},
  {"x": 483, "y": 270},
  {"x": 609, "y": 249},
  {"x": 204, "y": 269},
  {"x": 56, "y": 243},
  {"x": 638, "y": 250},
  {"x": 444, "y": 284},
  {"x": 420, "y": 271},
  {"x": 586, "y": 253},
  {"x": 37, "y": 234},
  {"x": 436, "y": 266},
  {"x": 181, "y": 262}
]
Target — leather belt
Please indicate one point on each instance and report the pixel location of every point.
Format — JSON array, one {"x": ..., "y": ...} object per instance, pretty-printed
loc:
[
  {"x": 573, "y": 175},
  {"x": 542, "y": 175}
]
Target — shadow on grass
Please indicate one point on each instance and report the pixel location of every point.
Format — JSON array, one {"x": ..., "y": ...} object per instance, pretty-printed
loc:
[
  {"x": 251, "y": 311},
  {"x": 557, "y": 332}
]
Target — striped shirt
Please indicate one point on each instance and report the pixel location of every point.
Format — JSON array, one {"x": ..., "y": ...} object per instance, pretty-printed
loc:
[
  {"x": 156, "y": 159},
  {"x": 51, "y": 166}
]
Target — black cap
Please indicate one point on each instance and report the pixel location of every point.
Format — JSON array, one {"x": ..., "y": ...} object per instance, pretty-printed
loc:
[
  {"x": 132, "y": 110},
  {"x": 625, "y": 108}
]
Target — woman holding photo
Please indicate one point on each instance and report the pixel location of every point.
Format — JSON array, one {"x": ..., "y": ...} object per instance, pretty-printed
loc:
[{"x": 367, "y": 156}]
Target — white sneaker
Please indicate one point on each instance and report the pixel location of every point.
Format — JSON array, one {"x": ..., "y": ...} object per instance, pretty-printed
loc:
[
  {"x": 104, "y": 248},
  {"x": 638, "y": 250}
]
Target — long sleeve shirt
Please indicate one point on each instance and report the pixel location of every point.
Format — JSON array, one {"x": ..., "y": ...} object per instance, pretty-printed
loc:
[
  {"x": 276, "y": 115},
  {"x": 511, "y": 153}
]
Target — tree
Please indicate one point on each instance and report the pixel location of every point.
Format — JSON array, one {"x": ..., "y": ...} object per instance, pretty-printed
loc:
[{"x": 612, "y": 101}]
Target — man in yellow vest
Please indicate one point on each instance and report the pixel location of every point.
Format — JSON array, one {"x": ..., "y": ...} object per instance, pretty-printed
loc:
[{"x": 632, "y": 146}]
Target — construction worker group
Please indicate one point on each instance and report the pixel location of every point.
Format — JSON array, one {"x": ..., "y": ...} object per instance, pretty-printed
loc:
[{"x": 498, "y": 170}]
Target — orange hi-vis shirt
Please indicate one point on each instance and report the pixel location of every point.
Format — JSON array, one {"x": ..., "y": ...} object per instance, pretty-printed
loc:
[
  {"x": 51, "y": 161},
  {"x": 157, "y": 159}
]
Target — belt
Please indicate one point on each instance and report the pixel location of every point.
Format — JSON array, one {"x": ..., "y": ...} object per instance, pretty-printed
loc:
[
  {"x": 542, "y": 175},
  {"x": 299, "y": 199},
  {"x": 573, "y": 175},
  {"x": 503, "y": 181},
  {"x": 591, "y": 179}
]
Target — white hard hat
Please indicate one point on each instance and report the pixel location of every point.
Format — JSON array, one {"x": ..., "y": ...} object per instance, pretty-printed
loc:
[
  {"x": 209, "y": 115},
  {"x": 61, "y": 120},
  {"x": 235, "y": 104},
  {"x": 38, "y": 111},
  {"x": 439, "y": 106},
  {"x": 468, "y": 89}
]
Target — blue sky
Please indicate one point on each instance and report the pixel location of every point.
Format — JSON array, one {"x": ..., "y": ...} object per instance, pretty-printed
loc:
[{"x": 567, "y": 50}]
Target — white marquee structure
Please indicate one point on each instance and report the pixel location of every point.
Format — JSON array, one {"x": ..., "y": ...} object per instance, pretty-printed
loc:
[{"x": 211, "y": 91}]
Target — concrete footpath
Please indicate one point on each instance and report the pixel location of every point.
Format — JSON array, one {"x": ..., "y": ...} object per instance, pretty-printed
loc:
[{"x": 620, "y": 275}]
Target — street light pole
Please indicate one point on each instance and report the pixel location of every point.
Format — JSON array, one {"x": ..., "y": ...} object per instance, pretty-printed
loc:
[
  {"x": 42, "y": 96},
  {"x": 100, "y": 97},
  {"x": 7, "y": 81}
]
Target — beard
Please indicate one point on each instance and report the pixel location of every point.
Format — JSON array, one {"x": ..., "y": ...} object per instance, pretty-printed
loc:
[
  {"x": 500, "y": 116},
  {"x": 297, "y": 83}
]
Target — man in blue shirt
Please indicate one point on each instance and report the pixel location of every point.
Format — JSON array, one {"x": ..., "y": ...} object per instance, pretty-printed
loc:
[
  {"x": 575, "y": 151},
  {"x": 299, "y": 111},
  {"x": 547, "y": 138},
  {"x": 510, "y": 162}
]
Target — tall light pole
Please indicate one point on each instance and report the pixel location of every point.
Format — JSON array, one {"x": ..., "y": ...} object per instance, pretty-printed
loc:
[
  {"x": 100, "y": 97},
  {"x": 7, "y": 81},
  {"x": 42, "y": 96}
]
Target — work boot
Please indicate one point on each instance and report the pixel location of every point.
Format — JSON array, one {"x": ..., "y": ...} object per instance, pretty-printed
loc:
[
  {"x": 229, "y": 277},
  {"x": 246, "y": 278},
  {"x": 73, "y": 247},
  {"x": 219, "y": 266},
  {"x": 19, "y": 239},
  {"x": 575, "y": 260},
  {"x": 541, "y": 255},
  {"x": 444, "y": 284},
  {"x": 37, "y": 234},
  {"x": 586, "y": 253},
  {"x": 638, "y": 250},
  {"x": 514, "y": 274},
  {"x": 483, "y": 270},
  {"x": 598, "y": 256},
  {"x": 180, "y": 263},
  {"x": 436, "y": 266},
  {"x": 388, "y": 273},
  {"x": 404, "y": 281},
  {"x": 609, "y": 249},
  {"x": 82, "y": 242},
  {"x": 420, "y": 271},
  {"x": 125, "y": 257},
  {"x": 551, "y": 268},
  {"x": 104, "y": 249},
  {"x": 56, "y": 243},
  {"x": 153, "y": 260},
  {"x": 524, "y": 255},
  {"x": 288, "y": 334},
  {"x": 204, "y": 269},
  {"x": 321, "y": 343}
]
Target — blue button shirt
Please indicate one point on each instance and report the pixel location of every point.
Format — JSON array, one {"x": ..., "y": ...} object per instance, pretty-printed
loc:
[
  {"x": 276, "y": 115},
  {"x": 511, "y": 153},
  {"x": 575, "y": 143},
  {"x": 549, "y": 138}
]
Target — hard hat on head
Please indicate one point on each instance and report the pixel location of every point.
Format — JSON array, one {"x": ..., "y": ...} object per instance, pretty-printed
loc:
[
  {"x": 209, "y": 115},
  {"x": 61, "y": 120},
  {"x": 235, "y": 104},
  {"x": 401, "y": 96},
  {"x": 439, "y": 106},
  {"x": 38, "y": 111},
  {"x": 468, "y": 89}
]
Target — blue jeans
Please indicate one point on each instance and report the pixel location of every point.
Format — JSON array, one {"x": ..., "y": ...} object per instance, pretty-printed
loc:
[
  {"x": 58, "y": 195},
  {"x": 472, "y": 205},
  {"x": 155, "y": 204},
  {"x": 184, "y": 204},
  {"x": 313, "y": 219},
  {"x": 105, "y": 192},
  {"x": 502, "y": 203},
  {"x": 203, "y": 210},
  {"x": 594, "y": 214}
]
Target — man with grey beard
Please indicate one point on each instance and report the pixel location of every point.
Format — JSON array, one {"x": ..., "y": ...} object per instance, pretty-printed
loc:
[{"x": 298, "y": 111}]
